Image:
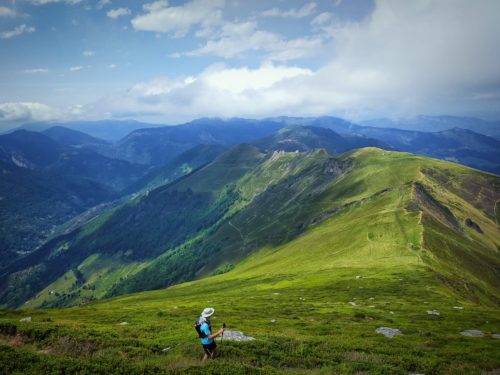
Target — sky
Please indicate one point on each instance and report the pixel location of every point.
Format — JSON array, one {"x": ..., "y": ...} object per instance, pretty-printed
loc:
[{"x": 170, "y": 61}]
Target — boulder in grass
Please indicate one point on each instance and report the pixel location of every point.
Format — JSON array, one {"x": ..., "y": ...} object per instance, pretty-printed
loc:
[
  {"x": 236, "y": 336},
  {"x": 433, "y": 312},
  {"x": 123, "y": 323},
  {"x": 472, "y": 333},
  {"x": 495, "y": 335},
  {"x": 388, "y": 332},
  {"x": 27, "y": 319}
]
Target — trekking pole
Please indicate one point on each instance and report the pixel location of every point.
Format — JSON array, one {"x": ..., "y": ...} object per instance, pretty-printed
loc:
[{"x": 222, "y": 336}]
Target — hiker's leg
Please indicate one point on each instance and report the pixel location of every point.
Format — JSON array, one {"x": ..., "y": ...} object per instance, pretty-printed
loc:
[
  {"x": 205, "y": 357},
  {"x": 215, "y": 353}
]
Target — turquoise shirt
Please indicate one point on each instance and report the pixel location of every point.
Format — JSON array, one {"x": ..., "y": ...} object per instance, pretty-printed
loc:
[{"x": 206, "y": 330}]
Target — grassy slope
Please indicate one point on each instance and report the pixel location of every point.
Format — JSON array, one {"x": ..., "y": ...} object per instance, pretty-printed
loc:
[{"x": 412, "y": 261}]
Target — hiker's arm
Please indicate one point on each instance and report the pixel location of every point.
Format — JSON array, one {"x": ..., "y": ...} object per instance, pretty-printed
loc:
[{"x": 216, "y": 334}]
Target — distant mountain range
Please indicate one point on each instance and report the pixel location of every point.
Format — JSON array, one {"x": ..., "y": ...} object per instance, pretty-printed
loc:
[
  {"x": 60, "y": 173},
  {"x": 438, "y": 124},
  {"x": 109, "y": 130}
]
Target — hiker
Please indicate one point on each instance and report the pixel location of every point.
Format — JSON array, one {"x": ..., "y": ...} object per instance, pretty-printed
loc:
[{"x": 207, "y": 337}]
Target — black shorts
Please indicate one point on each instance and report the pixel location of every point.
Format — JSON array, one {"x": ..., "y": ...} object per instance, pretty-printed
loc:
[{"x": 209, "y": 348}]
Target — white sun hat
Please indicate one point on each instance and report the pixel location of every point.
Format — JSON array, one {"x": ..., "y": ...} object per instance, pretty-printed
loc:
[{"x": 209, "y": 311}]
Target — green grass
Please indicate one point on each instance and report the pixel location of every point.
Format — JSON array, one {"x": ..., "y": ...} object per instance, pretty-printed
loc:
[
  {"x": 306, "y": 285},
  {"x": 401, "y": 240}
]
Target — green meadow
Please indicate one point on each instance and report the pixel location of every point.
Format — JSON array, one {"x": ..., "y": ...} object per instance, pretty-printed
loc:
[{"x": 396, "y": 249}]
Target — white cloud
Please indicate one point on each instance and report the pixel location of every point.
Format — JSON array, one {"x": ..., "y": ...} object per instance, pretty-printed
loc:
[
  {"x": 406, "y": 58},
  {"x": 321, "y": 19},
  {"x": 235, "y": 39},
  {"x": 217, "y": 91},
  {"x": 155, "y": 6},
  {"x": 75, "y": 68},
  {"x": 7, "y": 12},
  {"x": 112, "y": 66},
  {"x": 178, "y": 20},
  {"x": 305, "y": 11},
  {"x": 36, "y": 71},
  {"x": 102, "y": 3},
  {"x": 43, "y": 2},
  {"x": 119, "y": 12},
  {"x": 26, "y": 111},
  {"x": 17, "y": 31},
  {"x": 239, "y": 80},
  {"x": 88, "y": 53}
]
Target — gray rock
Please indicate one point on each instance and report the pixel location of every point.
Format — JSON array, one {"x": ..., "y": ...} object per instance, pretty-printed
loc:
[
  {"x": 472, "y": 333},
  {"x": 236, "y": 336},
  {"x": 123, "y": 323},
  {"x": 27, "y": 319},
  {"x": 433, "y": 312},
  {"x": 165, "y": 350},
  {"x": 495, "y": 335},
  {"x": 388, "y": 332},
  {"x": 458, "y": 307},
  {"x": 359, "y": 277},
  {"x": 273, "y": 320}
]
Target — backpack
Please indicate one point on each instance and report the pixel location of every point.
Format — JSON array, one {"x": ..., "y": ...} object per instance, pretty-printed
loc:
[{"x": 197, "y": 327}]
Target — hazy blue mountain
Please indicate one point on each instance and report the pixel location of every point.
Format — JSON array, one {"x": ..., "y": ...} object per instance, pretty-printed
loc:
[
  {"x": 458, "y": 145},
  {"x": 109, "y": 130},
  {"x": 308, "y": 138},
  {"x": 438, "y": 123},
  {"x": 337, "y": 124},
  {"x": 29, "y": 149},
  {"x": 38, "y": 151},
  {"x": 70, "y": 137},
  {"x": 158, "y": 146},
  {"x": 182, "y": 165}
]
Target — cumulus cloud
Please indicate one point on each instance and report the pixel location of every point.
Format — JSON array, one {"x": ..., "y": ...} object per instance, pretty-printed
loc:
[
  {"x": 88, "y": 53},
  {"x": 235, "y": 39},
  {"x": 17, "y": 31},
  {"x": 305, "y": 11},
  {"x": 75, "y": 68},
  {"x": 179, "y": 20},
  {"x": 217, "y": 91},
  {"x": 26, "y": 111},
  {"x": 406, "y": 58},
  {"x": 118, "y": 12},
  {"x": 7, "y": 12},
  {"x": 112, "y": 66}
]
